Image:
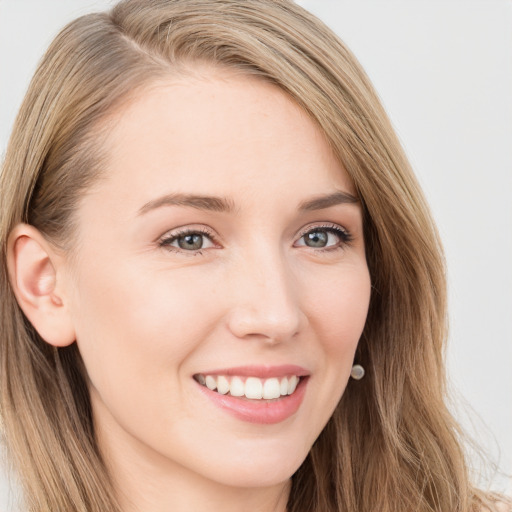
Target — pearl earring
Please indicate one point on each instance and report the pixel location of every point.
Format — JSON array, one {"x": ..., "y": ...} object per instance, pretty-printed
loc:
[{"x": 357, "y": 372}]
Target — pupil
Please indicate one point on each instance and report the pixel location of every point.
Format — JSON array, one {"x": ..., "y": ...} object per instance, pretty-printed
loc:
[
  {"x": 316, "y": 239},
  {"x": 191, "y": 242}
]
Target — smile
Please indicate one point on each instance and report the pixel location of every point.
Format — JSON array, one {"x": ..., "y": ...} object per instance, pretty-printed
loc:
[
  {"x": 252, "y": 388},
  {"x": 256, "y": 394}
]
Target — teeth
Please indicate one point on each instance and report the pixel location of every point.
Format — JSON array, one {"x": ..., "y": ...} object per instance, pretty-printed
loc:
[
  {"x": 211, "y": 382},
  {"x": 253, "y": 387},
  {"x": 222, "y": 385},
  {"x": 284, "y": 386},
  {"x": 237, "y": 387},
  {"x": 292, "y": 384},
  {"x": 271, "y": 389}
]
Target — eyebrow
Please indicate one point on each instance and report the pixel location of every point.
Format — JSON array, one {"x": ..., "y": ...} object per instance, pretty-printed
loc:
[
  {"x": 223, "y": 205},
  {"x": 214, "y": 204},
  {"x": 326, "y": 201}
]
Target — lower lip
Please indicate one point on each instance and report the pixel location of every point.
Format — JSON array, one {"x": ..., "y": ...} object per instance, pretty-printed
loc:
[{"x": 259, "y": 411}]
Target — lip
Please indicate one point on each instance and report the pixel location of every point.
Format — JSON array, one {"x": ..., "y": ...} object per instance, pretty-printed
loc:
[
  {"x": 261, "y": 371},
  {"x": 263, "y": 412}
]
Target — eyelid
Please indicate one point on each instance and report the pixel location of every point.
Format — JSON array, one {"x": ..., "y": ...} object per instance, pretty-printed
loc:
[
  {"x": 172, "y": 235},
  {"x": 344, "y": 234},
  {"x": 323, "y": 225}
]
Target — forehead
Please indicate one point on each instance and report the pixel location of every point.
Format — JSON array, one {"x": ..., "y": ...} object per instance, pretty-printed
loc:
[{"x": 218, "y": 132}]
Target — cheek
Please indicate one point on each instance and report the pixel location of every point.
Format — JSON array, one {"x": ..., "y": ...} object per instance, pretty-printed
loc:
[
  {"x": 135, "y": 323},
  {"x": 338, "y": 306},
  {"x": 136, "y": 331},
  {"x": 338, "y": 309}
]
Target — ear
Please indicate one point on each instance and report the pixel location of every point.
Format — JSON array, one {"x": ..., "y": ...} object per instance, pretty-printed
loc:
[{"x": 33, "y": 271}]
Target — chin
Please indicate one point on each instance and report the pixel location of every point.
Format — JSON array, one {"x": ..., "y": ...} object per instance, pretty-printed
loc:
[
  {"x": 253, "y": 476},
  {"x": 258, "y": 468}
]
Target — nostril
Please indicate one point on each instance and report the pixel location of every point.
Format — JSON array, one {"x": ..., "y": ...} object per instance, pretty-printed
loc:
[{"x": 268, "y": 326}]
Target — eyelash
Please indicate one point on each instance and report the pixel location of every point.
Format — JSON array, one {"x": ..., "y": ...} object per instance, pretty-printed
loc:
[
  {"x": 344, "y": 236},
  {"x": 167, "y": 240}
]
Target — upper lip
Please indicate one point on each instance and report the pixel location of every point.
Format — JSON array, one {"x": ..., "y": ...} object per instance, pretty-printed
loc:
[{"x": 261, "y": 371}]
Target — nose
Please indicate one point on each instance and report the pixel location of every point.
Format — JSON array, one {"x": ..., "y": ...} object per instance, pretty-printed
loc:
[{"x": 265, "y": 299}]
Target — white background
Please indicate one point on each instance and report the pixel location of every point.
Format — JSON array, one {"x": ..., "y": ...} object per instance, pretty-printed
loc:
[{"x": 444, "y": 72}]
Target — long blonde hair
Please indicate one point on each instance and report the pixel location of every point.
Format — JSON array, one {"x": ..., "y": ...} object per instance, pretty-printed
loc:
[{"x": 391, "y": 444}]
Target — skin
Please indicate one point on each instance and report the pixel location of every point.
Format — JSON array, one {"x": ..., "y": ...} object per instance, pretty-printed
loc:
[{"x": 148, "y": 317}]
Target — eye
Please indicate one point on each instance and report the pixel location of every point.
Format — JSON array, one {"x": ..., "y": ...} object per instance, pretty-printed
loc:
[
  {"x": 324, "y": 237},
  {"x": 188, "y": 240}
]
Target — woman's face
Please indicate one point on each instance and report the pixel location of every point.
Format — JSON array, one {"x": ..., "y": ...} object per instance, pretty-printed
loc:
[{"x": 224, "y": 247}]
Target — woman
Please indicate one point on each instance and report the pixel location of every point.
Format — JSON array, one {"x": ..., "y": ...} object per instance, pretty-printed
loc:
[{"x": 208, "y": 226}]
